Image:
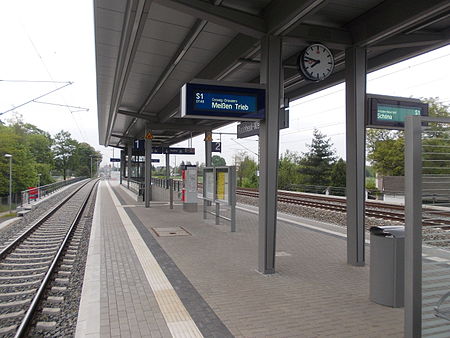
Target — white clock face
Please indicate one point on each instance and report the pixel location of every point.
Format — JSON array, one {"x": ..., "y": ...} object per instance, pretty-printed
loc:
[{"x": 316, "y": 62}]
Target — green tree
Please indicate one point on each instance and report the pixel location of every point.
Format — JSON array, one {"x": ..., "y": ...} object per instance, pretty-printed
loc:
[
  {"x": 85, "y": 156},
  {"x": 24, "y": 172},
  {"x": 64, "y": 149},
  {"x": 288, "y": 170},
  {"x": 386, "y": 151},
  {"x": 246, "y": 171},
  {"x": 39, "y": 143},
  {"x": 316, "y": 164},
  {"x": 385, "y": 148},
  {"x": 218, "y": 161},
  {"x": 338, "y": 174}
]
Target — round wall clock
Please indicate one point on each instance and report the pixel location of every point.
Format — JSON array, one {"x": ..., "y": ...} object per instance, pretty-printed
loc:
[{"x": 316, "y": 62}]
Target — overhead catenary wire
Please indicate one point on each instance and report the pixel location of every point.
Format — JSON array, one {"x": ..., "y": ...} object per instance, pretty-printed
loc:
[
  {"x": 63, "y": 105},
  {"x": 244, "y": 147},
  {"x": 51, "y": 77},
  {"x": 36, "y": 98},
  {"x": 33, "y": 81}
]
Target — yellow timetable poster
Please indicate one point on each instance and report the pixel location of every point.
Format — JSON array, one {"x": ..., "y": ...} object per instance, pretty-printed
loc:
[{"x": 221, "y": 185}]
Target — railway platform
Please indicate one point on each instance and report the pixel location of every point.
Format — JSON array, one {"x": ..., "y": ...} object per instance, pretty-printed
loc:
[{"x": 156, "y": 272}]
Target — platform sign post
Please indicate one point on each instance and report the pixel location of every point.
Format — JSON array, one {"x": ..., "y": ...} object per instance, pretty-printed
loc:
[{"x": 223, "y": 101}]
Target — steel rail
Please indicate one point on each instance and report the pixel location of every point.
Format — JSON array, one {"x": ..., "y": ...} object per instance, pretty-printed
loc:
[
  {"x": 30, "y": 312},
  {"x": 41, "y": 219},
  {"x": 338, "y": 204}
]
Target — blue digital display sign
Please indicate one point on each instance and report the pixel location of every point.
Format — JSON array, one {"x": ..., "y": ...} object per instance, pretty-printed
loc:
[
  {"x": 139, "y": 149},
  {"x": 207, "y": 101},
  {"x": 225, "y": 102}
]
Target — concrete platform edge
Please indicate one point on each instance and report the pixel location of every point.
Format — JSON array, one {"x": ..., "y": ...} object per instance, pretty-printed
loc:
[{"x": 88, "y": 323}]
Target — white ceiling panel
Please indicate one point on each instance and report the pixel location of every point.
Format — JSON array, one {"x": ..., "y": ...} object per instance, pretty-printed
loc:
[
  {"x": 109, "y": 19},
  {"x": 173, "y": 17},
  {"x": 219, "y": 30},
  {"x": 165, "y": 31},
  {"x": 113, "y": 5},
  {"x": 196, "y": 55},
  {"x": 157, "y": 47},
  {"x": 211, "y": 41}
]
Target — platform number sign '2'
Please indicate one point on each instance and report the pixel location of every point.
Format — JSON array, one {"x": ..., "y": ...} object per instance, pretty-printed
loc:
[
  {"x": 216, "y": 147},
  {"x": 316, "y": 62}
]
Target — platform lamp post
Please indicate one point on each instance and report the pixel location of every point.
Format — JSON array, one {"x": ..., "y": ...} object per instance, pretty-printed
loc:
[
  {"x": 39, "y": 185},
  {"x": 10, "y": 181},
  {"x": 91, "y": 165}
]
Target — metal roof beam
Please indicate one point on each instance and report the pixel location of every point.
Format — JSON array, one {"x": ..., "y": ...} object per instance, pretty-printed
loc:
[
  {"x": 176, "y": 58},
  {"x": 123, "y": 137},
  {"x": 220, "y": 65},
  {"x": 393, "y": 17},
  {"x": 239, "y": 21},
  {"x": 283, "y": 15},
  {"x": 134, "y": 21},
  {"x": 166, "y": 126},
  {"x": 333, "y": 38},
  {"x": 411, "y": 40},
  {"x": 189, "y": 39},
  {"x": 179, "y": 127},
  {"x": 136, "y": 115}
]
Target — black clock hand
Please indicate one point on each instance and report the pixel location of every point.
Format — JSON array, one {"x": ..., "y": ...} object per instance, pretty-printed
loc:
[
  {"x": 309, "y": 59},
  {"x": 315, "y": 63}
]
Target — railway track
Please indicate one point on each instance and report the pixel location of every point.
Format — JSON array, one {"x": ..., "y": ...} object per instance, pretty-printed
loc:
[
  {"x": 385, "y": 211},
  {"x": 42, "y": 254}
]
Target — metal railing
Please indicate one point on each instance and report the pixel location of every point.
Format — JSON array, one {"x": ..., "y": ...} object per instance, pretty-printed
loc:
[
  {"x": 164, "y": 183},
  {"x": 34, "y": 194},
  {"x": 138, "y": 187}
]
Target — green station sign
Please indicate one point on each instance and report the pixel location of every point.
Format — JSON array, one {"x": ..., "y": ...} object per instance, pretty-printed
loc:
[
  {"x": 395, "y": 113},
  {"x": 389, "y": 112}
]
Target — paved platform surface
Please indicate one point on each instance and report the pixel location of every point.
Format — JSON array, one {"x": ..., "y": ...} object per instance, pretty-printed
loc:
[{"x": 205, "y": 282}]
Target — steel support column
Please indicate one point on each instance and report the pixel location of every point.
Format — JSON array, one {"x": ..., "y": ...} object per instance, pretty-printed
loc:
[
  {"x": 208, "y": 148},
  {"x": 208, "y": 157},
  {"x": 122, "y": 165},
  {"x": 148, "y": 170},
  {"x": 268, "y": 140},
  {"x": 130, "y": 149},
  {"x": 355, "y": 97},
  {"x": 413, "y": 229},
  {"x": 167, "y": 168}
]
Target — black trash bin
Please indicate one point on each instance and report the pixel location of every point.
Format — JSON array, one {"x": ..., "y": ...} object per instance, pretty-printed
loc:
[{"x": 387, "y": 265}]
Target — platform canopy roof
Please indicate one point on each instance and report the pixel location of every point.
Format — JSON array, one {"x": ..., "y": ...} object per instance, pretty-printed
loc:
[{"x": 146, "y": 50}]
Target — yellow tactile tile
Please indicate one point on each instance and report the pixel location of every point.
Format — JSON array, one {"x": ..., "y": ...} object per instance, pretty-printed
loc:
[{"x": 177, "y": 318}]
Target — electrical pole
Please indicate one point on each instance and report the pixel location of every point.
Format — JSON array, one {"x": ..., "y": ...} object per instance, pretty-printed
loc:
[{"x": 10, "y": 181}]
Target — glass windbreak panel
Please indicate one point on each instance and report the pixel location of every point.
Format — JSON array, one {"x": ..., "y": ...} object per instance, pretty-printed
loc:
[
  {"x": 436, "y": 230},
  {"x": 208, "y": 181}
]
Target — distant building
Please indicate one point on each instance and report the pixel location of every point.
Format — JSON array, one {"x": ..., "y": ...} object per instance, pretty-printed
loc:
[{"x": 392, "y": 188}]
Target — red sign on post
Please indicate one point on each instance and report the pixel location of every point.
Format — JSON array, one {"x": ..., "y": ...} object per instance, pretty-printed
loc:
[{"x": 33, "y": 193}]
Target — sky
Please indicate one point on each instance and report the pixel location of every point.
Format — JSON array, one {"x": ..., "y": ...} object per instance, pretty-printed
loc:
[{"x": 48, "y": 43}]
